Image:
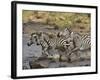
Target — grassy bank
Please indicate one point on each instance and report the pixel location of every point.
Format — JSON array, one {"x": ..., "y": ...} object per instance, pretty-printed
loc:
[{"x": 59, "y": 19}]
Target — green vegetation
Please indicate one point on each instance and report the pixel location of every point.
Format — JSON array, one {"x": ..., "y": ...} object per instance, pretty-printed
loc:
[{"x": 58, "y": 19}]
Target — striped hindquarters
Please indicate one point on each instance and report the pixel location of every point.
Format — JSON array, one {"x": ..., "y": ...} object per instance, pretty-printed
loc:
[
  {"x": 85, "y": 42},
  {"x": 61, "y": 42}
]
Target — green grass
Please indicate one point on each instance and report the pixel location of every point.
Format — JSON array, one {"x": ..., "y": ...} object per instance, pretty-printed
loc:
[{"x": 59, "y": 19}]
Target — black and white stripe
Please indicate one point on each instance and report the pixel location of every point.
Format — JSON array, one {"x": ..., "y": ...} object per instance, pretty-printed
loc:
[
  {"x": 82, "y": 42},
  {"x": 65, "y": 33},
  {"x": 43, "y": 39},
  {"x": 36, "y": 38},
  {"x": 57, "y": 42}
]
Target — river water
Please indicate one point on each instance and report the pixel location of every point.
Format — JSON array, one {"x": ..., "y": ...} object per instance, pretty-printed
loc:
[{"x": 33, "y": 52}]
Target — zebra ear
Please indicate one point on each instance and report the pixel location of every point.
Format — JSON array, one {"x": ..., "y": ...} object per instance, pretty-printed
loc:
[
  {"x": 58, "y": 34},
  {"x": 39, "y": 33},
  {"x": 32, "y": 34},
  {"x": 72, "y": 34}
]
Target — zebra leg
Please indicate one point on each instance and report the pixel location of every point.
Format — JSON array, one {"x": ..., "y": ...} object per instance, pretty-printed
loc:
[
  {"x": 75, "y": 54},
  {"x": 45, "y": 52},
  {"x": 74, "y": 50},
  {"x": 71, "y": 52},
  {"x": 69, "y": 57}
]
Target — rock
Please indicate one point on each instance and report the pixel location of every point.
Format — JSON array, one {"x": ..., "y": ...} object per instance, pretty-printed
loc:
[
  {"x": 54, "y": 64},
  {"x": 54, "y": 57},
  {"x": 80, "y": 55},
  {"x": 74, "y": 57},
  {"x": 64, "y": 58},
  {"x": 41, "y": 62},
  {"x": 26, "y": 66},
  {"x": 85, "y": 55},
  {"x": 37, "y": 65}
]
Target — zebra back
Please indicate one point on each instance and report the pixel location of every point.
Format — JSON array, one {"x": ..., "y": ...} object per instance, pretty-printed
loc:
[{"x": 83, "y": 42}]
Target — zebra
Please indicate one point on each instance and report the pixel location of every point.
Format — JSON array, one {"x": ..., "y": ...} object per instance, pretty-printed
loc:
[
  {"x": 82, "y": 42},
  {"x": 33, "y": 39},
  {"x": 77, "y": 42},
  {"x": 42, "y": 38},
  {"x": 36, "y": 38},
  {"x": 65, "y": 33},
  {"x": 57, "y": 43}
]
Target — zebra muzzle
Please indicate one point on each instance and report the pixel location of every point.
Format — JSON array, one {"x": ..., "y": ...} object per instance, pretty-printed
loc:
[{"x": 29, "y": 43}]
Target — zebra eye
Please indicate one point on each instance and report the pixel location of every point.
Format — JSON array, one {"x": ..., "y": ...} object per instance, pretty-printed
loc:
[
  {"x": 34, "y": 36},
  {"x": 71, "y": 40},
  {"x": 66, "y": 42},
  {"x": 30, "y": 38}
]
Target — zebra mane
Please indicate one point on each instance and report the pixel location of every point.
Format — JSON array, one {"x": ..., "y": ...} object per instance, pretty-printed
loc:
[
  {"x": 58, "y": 34},
  {"x": 75, "y": 34},
  {"x": 33, "y": 33},
  {"x": 68, "y": 29}
]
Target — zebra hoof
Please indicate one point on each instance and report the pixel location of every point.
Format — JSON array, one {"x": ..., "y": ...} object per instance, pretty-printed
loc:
[{"x": 69, "y": 60}]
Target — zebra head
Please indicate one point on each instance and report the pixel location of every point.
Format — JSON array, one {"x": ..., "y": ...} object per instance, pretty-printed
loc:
[
  {"x": 75, "y": 35},
  {"x": 65, "y": 33},
  {"x": 34, "y": 39}
]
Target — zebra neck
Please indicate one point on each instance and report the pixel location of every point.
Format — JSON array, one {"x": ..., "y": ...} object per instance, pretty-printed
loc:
[{"x": 47, "y": 41}]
